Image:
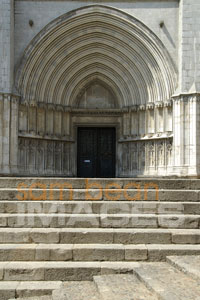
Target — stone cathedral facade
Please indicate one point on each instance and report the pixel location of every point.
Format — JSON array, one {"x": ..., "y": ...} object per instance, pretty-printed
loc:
[{"x": 72, "y": 70}]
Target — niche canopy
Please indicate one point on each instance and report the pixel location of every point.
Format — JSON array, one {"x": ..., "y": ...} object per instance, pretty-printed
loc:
[{"x": 96, "y": 44}]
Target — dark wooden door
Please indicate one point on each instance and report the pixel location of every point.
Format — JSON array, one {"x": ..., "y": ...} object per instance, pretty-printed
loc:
[{"x": 96, "y": 152}]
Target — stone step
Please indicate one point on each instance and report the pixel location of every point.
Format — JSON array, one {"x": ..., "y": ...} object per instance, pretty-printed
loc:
[
  {"x": 26, "y": 289},
  {"x": 103, "y": 207},
  {"x": 167, "y": 282},
  {"x": 99, "y": 236},
  {"x": 76, "y": 183},
  {"x": 61, "y": 271},
  {"x": 144, "y": 281},
  {"x": 190, "y": 265},
  {"x": 160, "y": 252},
  {"x": 34, "y": 298},
  {"x": 93, "y": 252},
  {"x": 76, "y": 290},
  {"x": 118, "y": 287},
  {"x": 100, "y": 221},
  {"x": 35, "y": 194}
]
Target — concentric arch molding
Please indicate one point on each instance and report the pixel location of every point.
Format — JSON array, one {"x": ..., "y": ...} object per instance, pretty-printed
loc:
[{"x": 96, "y": 42}]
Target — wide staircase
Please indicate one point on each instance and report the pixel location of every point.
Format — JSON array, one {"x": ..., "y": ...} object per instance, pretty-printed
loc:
[{"x": 54, "y": 229}]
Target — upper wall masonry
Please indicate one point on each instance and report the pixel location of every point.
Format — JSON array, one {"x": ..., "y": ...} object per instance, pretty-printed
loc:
[
  {"x": 43, "y": 12},
  {"x": 6, "y": 46},
  {"x": 189, "y": 67}
]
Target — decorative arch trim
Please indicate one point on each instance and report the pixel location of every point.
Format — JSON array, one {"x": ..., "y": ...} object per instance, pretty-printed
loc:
[{"x": 96, "y": 42}]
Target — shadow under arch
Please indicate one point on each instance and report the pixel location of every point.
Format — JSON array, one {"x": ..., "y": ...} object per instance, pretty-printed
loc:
[{"x": 96, "y": 94}]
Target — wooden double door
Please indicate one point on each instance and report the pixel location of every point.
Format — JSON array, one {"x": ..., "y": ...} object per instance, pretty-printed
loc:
[{"x": 96, "y": 152}]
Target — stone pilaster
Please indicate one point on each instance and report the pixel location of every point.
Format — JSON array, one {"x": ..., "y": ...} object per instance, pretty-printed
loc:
[
  {"x": 186, "y": 117},
  {"x": 8, "y": 133}
]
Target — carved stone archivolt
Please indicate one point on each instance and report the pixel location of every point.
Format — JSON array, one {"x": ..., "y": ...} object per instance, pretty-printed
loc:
[{"x": 128, "y": 61}]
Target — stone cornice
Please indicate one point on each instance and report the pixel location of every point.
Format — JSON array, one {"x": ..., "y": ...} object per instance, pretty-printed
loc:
[
  {"x": 44, "y": 105},
  {"x": 41, "y": 136},
  {"x": 164, "y": 136},
  {"x": 185, "y": 94},
  {"x": 9, "y": 96},
  {"x": 111, "y": 111},
  {"x": 76, "y": 110},
  {"x": 187, "y": 97}
]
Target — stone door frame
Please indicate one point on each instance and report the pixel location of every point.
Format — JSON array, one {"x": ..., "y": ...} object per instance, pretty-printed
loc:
[{"x": 96, "y": 121}]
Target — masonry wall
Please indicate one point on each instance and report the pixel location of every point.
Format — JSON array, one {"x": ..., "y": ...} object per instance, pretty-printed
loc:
[
  {"x": 187, "y": 101},
  {"x": 6, "y": 45},
  {"x": 8, "y": 103},
  {"x": 189, "y": 51}
]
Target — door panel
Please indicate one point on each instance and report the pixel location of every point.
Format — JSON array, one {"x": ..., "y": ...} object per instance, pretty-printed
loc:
[
  {"x": 106, "y": 155},
  {"x": 87, "y": 145},
  {"x": 96, "y": 152}
]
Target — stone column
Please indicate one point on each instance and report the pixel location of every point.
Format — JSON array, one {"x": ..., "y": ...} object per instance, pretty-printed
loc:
[
  {"x": 14, "y": 134},
  {"x": 126, "y": 122},
  {"x": 150, "y": 123}
]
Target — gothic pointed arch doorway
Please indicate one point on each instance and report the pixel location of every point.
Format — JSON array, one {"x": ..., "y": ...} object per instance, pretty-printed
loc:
[{"x": 95, "y": 67}]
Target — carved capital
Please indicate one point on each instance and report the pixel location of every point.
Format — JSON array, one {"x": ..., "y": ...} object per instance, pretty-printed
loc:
[
  {"x": 159, "y": 104},
  {"x": 133, "y": 108},
  {"x": 59, "y": 108},
  {"x": 142, "y": 107},
  {"x": 50, "y": 106},
  {"x": 125, "y": 109},
  {"x": 9, "y": 97},
  {"x": 150, "y": 105},
  {"x": 41, "y": 105},
  {"x": 168, "y": 103},
  {"x": 33, "y": 103},
  {"x": 67, "y": 109}
]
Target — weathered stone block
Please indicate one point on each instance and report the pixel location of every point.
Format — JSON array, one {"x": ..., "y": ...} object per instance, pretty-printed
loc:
[
  {"x": 86, "y": 236},
  {"x": 23, "y": 271},
  {"x": 129, "y": 221},
  {"x": 17, "y": 252},
  {"x": 98, "y": 252},
  {"x": 135, "y": 252},
  {"x": 73, "y": 271},
  {"x": 176, "y": 221}
]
